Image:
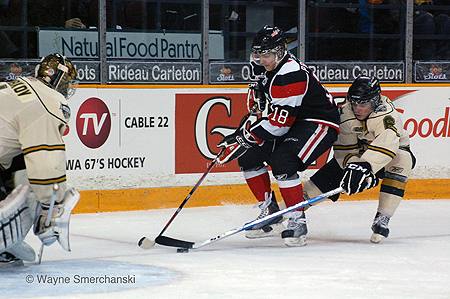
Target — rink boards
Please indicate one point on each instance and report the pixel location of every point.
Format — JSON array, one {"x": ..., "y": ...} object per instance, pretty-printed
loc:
[{"x": 135, "y": 147}]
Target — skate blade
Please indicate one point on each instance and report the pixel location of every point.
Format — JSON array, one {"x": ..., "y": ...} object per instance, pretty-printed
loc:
[
  {"x": 277, "y": 229},
  {"x": 376, "y": 238},
  {"x": 295, "y": 242}
]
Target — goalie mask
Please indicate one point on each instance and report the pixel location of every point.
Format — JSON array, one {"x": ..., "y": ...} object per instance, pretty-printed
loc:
[
  {"x": 58, "y": 73},
  {"x": 269, "y": 40},
  {"x": 365, "y": 89}
]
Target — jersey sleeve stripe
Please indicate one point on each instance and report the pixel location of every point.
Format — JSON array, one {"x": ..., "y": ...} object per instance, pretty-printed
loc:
[
  {"x": 44, "y": 147},
  {"x": 274, "y": 130},
  {"x": 382, "y": 150},
  {"x": 48, "y": 181},
  {"x": 290, "y": 90},
  {"x": 338, "y": 147}
]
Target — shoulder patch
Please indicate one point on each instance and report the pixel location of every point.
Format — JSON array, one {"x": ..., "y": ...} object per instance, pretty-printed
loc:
[
  {"x": 65, "y": 110},
  {"x": 389, "y": 123}
]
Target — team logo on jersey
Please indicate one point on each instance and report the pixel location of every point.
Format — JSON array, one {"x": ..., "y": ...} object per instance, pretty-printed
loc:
[
  {"x": 389, "y": 123},
  {"x": 357, "y": 130},
  {"x": 93, "y": 123}
]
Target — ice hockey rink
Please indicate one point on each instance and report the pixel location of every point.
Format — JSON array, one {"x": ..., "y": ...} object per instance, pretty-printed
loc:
[{"x": 338, "y": 261}]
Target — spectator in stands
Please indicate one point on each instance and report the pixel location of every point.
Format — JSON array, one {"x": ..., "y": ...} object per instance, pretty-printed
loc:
[
  {"x": 7, "y": 48},
  {"x": 115, "y": 14},
  {"x": 42, "y": 14},
  {"x": 57, "y": 13},
  {"x": 431, "y": 22},
  {"x": 332, "y": 20}
]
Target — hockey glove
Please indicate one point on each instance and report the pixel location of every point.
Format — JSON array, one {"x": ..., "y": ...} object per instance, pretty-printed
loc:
[
  {"x": 235, "y": 145},
  {"x": 256, "y": 99},
  {"x": 357, "y": 177}
]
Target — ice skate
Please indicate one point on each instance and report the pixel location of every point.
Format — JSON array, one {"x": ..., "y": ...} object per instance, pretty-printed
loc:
[
  {"x": 270, "y": 228},
  {"x": 380, "y": 228},
  {"x": 296, "y": 230}
]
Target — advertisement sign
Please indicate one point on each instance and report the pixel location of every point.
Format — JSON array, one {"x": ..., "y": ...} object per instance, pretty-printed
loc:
[
  {"x": 432, "y": 72},
  {"x": 326, "y": 72},
  {"x": 226, "y": 73},
  {"x": 117, "y": 132},
  {"x": 425, "y": 115},
  {"x": 125, "y": 45},
  {"x": 347, "y": 72},
  {"x": 145, "y": 137},
  {"x": 119, "y": 72},
  {"x": 88, "y": 71},
  {"x": 154, "y": 72},
  {"x": 203, "y": 120}
]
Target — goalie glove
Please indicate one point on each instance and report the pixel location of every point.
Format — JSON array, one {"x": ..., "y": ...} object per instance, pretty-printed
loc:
[
  {"x": 256, "y": 99},
  {"x": 235, "y": 145},
  {"x": 358, "y": 176}
]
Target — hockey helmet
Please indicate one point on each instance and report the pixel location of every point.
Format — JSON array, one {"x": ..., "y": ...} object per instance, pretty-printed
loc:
[
  {"x": 365, "y": 89},
  {"x": 58, "y": 73},
  {"x": 269, "y": 40}
]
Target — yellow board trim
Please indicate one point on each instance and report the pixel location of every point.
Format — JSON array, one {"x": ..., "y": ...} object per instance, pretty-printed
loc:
[{"x": 165, "y": 198}]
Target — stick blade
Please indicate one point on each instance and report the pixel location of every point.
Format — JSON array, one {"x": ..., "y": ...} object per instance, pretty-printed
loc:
[
  {"x": 167, "y": 241},
  {"x": 146, "y": 243}
]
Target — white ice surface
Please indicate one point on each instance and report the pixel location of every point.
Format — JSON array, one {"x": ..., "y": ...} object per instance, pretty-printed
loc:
[{"x": 338, "y": 262}]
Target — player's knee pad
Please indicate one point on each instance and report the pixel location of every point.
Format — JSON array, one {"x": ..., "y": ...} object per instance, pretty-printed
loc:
[
  {"x": 16, "y": 218},
  {"x": 58, "y": 228}
]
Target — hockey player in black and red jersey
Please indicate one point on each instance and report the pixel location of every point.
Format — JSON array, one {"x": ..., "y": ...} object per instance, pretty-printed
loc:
[
  {"x": 33, "y": 117},
  {"x": 302, "y": 123},
  {"x": 372, "y": 145}
]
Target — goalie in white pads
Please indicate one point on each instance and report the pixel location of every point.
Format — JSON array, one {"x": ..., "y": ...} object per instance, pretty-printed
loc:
[
  {"x": 33, "y": 118},
  {"x": 372, "y": 145}
]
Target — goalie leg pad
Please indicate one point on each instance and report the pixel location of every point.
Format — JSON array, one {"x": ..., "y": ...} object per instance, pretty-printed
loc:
[
  {"x": 59, "y": 223},
  {"x": 16, "y": 218},
  {"x": 23, "y": 251}
]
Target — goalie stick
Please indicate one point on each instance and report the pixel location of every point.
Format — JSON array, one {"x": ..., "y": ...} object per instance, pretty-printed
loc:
[
  {"x": 49, "y": 218},
  {"x": 147, "y": 243},
  {"x": 167, "y": 241}
]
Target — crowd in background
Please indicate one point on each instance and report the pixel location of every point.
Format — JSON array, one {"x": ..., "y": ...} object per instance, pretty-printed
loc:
[{"x": 352, "y": 33}]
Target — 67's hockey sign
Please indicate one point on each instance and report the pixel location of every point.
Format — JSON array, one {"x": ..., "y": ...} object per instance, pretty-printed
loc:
[{"x": 202, "y": 121}]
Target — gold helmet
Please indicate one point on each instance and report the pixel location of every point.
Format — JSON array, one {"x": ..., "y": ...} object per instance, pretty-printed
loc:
[{"x": 58, "y": 73}]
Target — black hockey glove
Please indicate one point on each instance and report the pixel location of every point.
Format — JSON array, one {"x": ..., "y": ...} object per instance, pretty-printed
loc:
[
  {"x": 256, "y": 99},
  {"x": 357, "y": 177},
  {"x": 235, "y": 145}
]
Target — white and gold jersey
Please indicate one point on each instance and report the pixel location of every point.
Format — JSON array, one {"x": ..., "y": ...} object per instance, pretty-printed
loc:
[
  {"x": 33, "y": 118},
  {"x": 376, "y": 140}
]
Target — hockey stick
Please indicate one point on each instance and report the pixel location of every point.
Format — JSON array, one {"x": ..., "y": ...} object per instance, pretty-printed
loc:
[
  {"x": 167, "y": 241},
  {"x": 49, "y": 217},
  {"x": 145, "y": 242}
]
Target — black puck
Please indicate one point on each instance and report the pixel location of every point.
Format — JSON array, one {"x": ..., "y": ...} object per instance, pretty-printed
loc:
[{"x": 182, "y": 250}]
